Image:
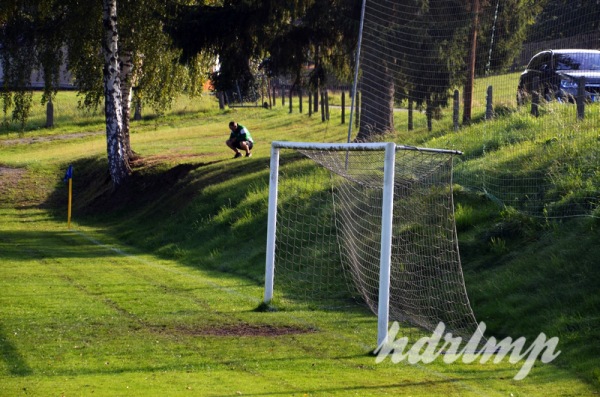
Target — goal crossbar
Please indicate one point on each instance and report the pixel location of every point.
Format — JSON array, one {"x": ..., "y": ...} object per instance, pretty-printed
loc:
[{"x": 375, "y": 146}]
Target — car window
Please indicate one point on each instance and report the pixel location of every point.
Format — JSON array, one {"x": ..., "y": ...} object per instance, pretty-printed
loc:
[
  {"x": 592, "y": 61},
  {"x": 540, "y": 62},
  {"x": 578, "y": 61},
  {"x": 535, "y": 62}
]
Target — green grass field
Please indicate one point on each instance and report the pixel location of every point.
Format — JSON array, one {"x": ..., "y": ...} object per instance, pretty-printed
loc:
[{"x": 153, "y": 290}]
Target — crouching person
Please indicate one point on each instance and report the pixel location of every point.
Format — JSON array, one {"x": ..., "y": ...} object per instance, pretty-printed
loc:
[{"x": 240, "y": 139}]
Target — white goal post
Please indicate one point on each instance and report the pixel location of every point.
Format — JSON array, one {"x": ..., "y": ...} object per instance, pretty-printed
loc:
[{"x": 392, "y": 190}]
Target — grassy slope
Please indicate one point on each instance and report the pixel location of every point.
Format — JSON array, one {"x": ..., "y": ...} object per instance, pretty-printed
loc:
[{"x": 192, "y": 204}]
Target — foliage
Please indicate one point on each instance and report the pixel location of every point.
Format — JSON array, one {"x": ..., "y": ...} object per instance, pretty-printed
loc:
[
  {"x": 441, "y": 29},
  {"x": 565, "y": 18},
  {"x": 281, "y": 37},
  {"x": 43, "y": 34},
  {"x": 157, "y": 76},
  {"x": 324, "y": 36},
  {"x": 503, "y": 29},
  {"x": 18, "y": 58}
]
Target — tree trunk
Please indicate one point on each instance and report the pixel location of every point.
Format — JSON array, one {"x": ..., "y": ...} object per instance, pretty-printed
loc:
[
  {"x": 137, "y": 114},
  {"x": 468, "y": 94},
  {"x": 377, "y": 102},
  {"x": 410, "y": 115},
  {"x": 126, "y": 64},
  {"x": 118, "y": 162},
  {"x": 377, "y": 88},
  {"x": 49, "y": 114}
]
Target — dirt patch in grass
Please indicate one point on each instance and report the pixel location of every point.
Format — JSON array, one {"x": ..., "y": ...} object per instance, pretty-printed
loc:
[
  {"x": 10, "y": 175},
  {"x": 38, "y": 139},
  {"x": 169, "y": 158},
  {"x": 9, "y": 181}
]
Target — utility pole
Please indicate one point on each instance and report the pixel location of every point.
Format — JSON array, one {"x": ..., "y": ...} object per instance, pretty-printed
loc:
[{"x": 468, "y": 94}]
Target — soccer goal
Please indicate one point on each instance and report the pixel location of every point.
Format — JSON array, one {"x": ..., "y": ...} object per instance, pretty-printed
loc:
[{"x": 367, "y": 220}]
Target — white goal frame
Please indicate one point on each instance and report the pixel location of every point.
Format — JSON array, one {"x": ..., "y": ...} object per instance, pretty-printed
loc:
[{"x": 390, "y": 149}]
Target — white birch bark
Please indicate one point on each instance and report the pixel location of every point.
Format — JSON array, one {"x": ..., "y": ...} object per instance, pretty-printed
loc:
[
  {"x": 118, "y": 162},
  {"x": 126, "y": 59}
]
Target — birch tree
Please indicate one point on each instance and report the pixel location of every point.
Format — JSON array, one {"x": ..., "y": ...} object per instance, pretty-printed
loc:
[
  {"x": 118, "y": 161},
  {"x": 41, "y": 35}
]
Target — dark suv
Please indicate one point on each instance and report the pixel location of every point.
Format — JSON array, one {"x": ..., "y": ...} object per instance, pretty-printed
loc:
[{"x": 559, "y": 72}]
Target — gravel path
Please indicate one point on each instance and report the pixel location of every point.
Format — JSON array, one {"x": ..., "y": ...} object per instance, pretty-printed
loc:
[{"x": 19, "y": 141}]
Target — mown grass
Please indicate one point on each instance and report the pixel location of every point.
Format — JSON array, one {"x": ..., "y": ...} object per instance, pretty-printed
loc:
[{"x": 132, "y": 299}]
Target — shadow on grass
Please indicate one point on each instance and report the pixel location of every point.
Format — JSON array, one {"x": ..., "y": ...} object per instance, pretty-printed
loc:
[
  {"x": 25, "y": 245},
  {"x": 15, "y": 362},
  {"x": 358, "y": 390},
  {"x": 192, "y": 212}
]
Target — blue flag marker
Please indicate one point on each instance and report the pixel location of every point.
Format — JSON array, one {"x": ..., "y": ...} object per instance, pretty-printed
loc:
[
  {"x": 68, "y": 174},
  {"x": 69, "y": 179}
]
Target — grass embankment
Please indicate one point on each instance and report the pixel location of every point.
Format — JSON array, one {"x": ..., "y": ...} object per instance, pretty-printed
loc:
[{"x": 152, "y": 292}]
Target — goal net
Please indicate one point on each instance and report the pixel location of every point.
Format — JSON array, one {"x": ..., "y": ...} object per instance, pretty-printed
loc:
[
  {"x": 372, "y": 221},
  {"x": 461, "y": 75}
]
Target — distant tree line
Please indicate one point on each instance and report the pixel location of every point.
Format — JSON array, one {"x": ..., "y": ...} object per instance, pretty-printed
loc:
[
  {"x": 565, "y": 18},
  {"x": 304, "y": 39}
]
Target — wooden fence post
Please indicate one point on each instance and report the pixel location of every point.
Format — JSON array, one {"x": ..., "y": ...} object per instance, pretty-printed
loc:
[
  {"x": 327, "y": 105},
  {"x": 455, "y": 110},
  {"x": 429, "y": 115},
  {"x": 580, "y": 98},
  {"x": 411, "y": 124},
  {"x": 343, "y": 107},
  {"x": 535, "y": 97},
  {"x": 269, "y": 94},
  {"x": 322, "y": 107},
  {"x": 239, "y": 92},
  {"x": 221, "y": 100},
  {"x": 489, "y": 105}
]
